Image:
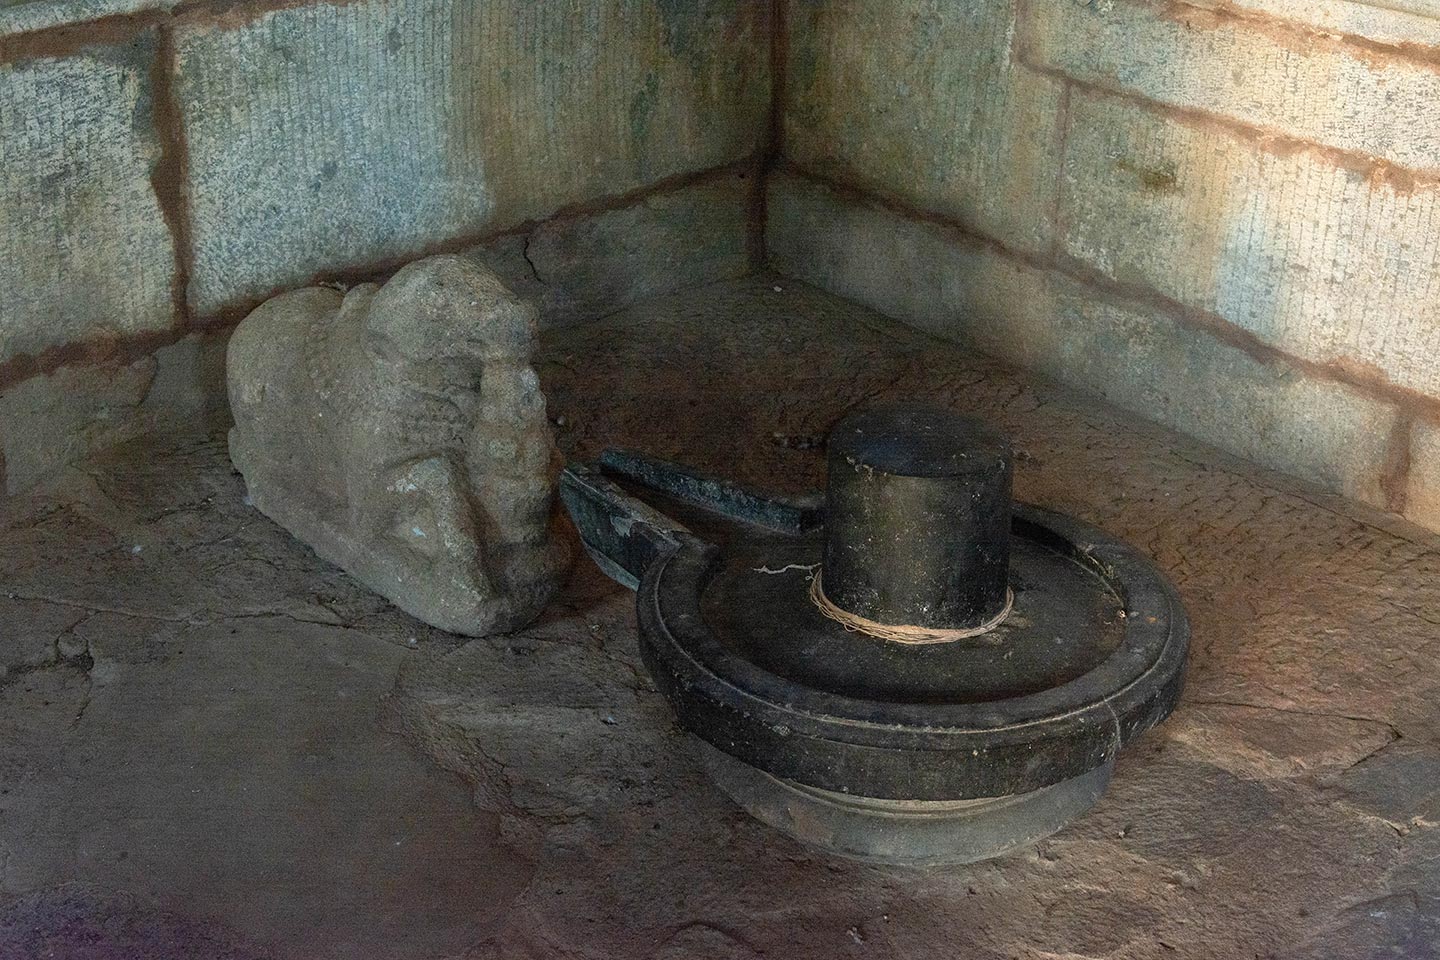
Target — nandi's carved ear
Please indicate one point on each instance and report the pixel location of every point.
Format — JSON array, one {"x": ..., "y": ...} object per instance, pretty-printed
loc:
[{"x": 451, "y": 306}]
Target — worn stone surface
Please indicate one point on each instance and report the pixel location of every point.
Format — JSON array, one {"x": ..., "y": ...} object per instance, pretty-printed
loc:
[
  {"x": 326, "y": 136},
  {"x": 1302, "y": 85},
  {"x": 21, "y": 16},
  {"x": 1407, "y": 24},
  {"x": 84, "y": 250},
  {"x": 580, "y": 268},
  {"x": 400, "y": 431},
  {"x": 573, "y": 268},
  {"x": 1422, "y": 496},
  {"x": 203, "y": 743},
  {"x": 922, "y": 100},
  {"x": 1131, "y": 352},
  {"x": 1309, "y": 257},
  {"x": 54, "y": 419},
  {"x": 242, "y": 801}
]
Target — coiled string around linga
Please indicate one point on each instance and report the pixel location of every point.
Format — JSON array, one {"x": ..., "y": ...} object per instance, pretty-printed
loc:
[{"x": 901, "y": 633}]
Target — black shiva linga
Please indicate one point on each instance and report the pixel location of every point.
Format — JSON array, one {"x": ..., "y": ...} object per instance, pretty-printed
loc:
[{"x": 908, "y": 670}]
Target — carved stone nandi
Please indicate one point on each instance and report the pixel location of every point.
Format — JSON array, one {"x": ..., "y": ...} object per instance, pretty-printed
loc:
[{"x": 400, "y": 431}]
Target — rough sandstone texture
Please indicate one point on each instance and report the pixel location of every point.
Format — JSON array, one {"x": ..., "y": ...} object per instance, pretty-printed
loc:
[
  {"x": 1259, "y": 170},
  {"x": 326, "y": 136},
  {"x": 1391, "y": 22},
  {"x": 581, "y": 268},
  {"x": 573, "y": 268},
  {"x": 231, "y": 749},
  {"x": 922, "y": 100},
  {"x": 19, "y": 16},
  {"x": 1219, "y": 214},
  {"x": 169, "y": 168},
  {"x": 400, "y": 431},
  {"x": 1116, "y": 347},
  {"x": 1311, "y": 258},
  {"x": 1296, "y": 84},
  {"x": 50, "y": 420},
  {"x": 84, "y": 250}
]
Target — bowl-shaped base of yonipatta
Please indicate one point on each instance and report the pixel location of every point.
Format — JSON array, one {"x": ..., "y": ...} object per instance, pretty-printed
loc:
[
  {"x": 906, "y": 833},
  {"x": 900, "y": 753}
]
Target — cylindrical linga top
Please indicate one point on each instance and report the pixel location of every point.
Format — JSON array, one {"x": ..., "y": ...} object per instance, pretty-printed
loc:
[{"x": 917, "y": 521}]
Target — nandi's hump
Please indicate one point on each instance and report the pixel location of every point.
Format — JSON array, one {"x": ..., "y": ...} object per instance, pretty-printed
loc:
[
  {"x": 453, "y": 307},
  {"x": 269, "y": 348}
]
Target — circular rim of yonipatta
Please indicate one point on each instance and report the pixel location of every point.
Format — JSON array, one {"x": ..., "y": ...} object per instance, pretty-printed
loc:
[{"x": 910, "y": 750}]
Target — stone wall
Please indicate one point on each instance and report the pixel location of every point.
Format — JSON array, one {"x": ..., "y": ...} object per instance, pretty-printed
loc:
[
  {"x": 1221, "y": 214},
  {"x": 164, "y": 167},
  {"x": 1217, "y": 213}
]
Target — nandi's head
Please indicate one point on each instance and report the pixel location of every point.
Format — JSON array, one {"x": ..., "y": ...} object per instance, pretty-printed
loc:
[{"x": 450, "y": 308}]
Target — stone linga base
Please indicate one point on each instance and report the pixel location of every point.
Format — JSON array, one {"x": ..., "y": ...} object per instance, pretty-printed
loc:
[{"x": 401, "y": 433}]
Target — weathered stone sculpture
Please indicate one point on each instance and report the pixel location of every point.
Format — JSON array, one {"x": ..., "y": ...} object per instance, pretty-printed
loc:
[{"x": 400, "y": 431}]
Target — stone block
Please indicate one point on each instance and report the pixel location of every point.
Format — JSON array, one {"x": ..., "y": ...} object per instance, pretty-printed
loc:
[
  {"x": 1422, "y": 495},
  {"x": 84, "y": 250},
  {"x": 920, "y": 100},
  {"x": 329, "y": 137},
  {"x": 188, "y": 393},
  {"x": 1300, "y": 84},
  {"x": 1133, "y": 354},
  {"x": 1400, "y": 784},
  {"x": 582, "y": 268},
  {"x": 1314, "y": 259},
  {"x": 23, "y": 16},
  {"x": 50, "y": 420},
  {"x": 1400, "y": 23}
]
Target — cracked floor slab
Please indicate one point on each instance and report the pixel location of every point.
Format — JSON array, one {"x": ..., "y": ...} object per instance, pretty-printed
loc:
[{"x": 214, "y": 745}]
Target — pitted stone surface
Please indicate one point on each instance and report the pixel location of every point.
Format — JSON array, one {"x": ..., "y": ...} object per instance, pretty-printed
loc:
[
  {"x": 923, "y": 100},
  {"x": 84, "y": 250},
  {"x": 1296, "y": 83},
  {"x": 580, "y": 268},
  {"x": 23, "y": 16},
  {"x": 1313, "y": 259},
  {"x": 1405, "y": 24},
  {"x": 1262, "y": 171},
  {"x": 181, "y": 642},
  {"x": 400, "y": 431},
  {"x": 332, "y": 136},
  {"x": 1122, "y": 349}
]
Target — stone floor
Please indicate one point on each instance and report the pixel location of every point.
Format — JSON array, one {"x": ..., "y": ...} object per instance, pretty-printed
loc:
[{"x": 214, "y": 745}]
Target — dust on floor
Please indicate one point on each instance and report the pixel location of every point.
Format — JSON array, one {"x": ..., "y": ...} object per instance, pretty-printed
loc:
[{"x": 214, "y": 745}]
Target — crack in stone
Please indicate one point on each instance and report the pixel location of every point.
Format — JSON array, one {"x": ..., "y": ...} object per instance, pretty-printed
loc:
[{"x": 525, "y": 252}]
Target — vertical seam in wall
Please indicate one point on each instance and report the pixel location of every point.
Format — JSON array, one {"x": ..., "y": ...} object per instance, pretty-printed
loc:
[
  {"x": 775, "y": 136},
  {"x": 169, "y": 174},
  {"x": 1058, "y": 225},
  {"x": 1395, "y": 473},
  {"x": 1019, "y": 54}
]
